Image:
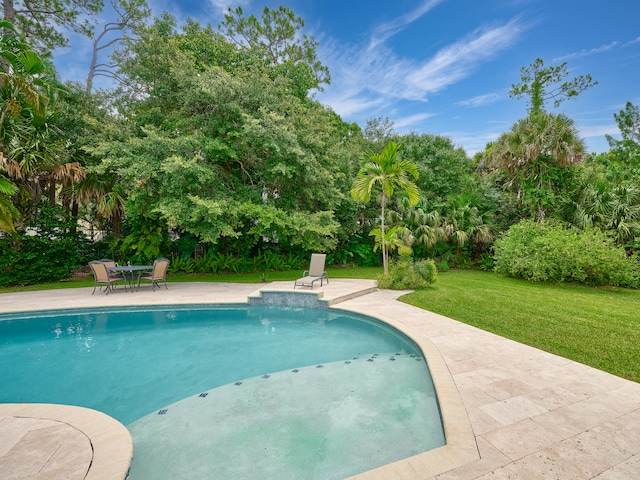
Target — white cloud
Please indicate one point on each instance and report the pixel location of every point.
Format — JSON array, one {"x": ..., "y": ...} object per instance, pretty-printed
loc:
[
  {"x": 411, "y": 120},
  {"x": 632, "y": 42},
  {"x": 586, "y": 53},
  {"x": 457, "y": 61},
  {"x": 364, "y": 77},
  {"x": 598, "y": 130},
  {"x": 387, "y": 30},
  {"x": 480, "y": 100}
]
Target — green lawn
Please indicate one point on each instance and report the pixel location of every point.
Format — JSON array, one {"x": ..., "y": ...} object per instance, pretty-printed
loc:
[{"x": 597, "y": 327}]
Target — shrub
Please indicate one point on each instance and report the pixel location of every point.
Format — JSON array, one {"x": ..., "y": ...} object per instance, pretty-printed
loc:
[
  {"x": 543, "y": 252},
  {"x": 47, "y": 253},
  {"x": 405, "y": 275},
  {"x": 427, "y": 270},
  {"x": 442, "y": 266}
]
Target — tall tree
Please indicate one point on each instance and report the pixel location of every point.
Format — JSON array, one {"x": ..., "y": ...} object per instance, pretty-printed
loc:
[
  {"x": 43, "y": 22},
  {"x": 276, "y": 35},
  {"x": 390, "y": 173},
  {"x": 129, "y": 17},
  {"x": 540, "y": 84}
]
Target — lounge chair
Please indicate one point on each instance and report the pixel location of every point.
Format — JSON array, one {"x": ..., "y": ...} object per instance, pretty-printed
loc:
[
  {"x": 102, "y": 277},
  {"x": 157, "y": 274},
  {"x": 316, "y": 272}
]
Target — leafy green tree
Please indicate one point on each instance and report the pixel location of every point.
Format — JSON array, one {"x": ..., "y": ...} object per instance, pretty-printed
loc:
[
  {"x": 540, "y": 84},
  {"x": 31, "y": 155},
  {"x": 444, "y": 168},
  {"x": 379, "y": 131},
  {"x": 241, "y": 162},
  {"x": 390, "y": 173}
]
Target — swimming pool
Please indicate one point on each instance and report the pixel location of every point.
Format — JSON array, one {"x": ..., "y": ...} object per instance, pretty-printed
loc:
[{"x": 132, "y": 362}]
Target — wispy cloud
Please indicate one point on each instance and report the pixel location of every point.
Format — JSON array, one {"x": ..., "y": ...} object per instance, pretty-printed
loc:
[
  {"x": 480, "y": 100},
  {"x": 632, "y": 42},
  {"x": 586, "y": 53},
  {"x": 403, "y": 122},
  {"x": 387, "y": 30},
  {"x": 377, "y": 76},
  {"x": 459, "y": 60}
]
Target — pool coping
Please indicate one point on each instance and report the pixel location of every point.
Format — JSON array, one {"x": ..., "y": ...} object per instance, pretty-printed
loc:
[
  {"x": 110, "y": 441},
  {"x": 461, "y": 447}
]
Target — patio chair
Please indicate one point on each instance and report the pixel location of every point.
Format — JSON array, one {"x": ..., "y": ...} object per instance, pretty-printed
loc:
[
  {"x": 109, "y": 264},
  {"x": 101, "y": 277},
  {"x": 316, "y": 272},
  {"x": 157, "y": 274}
]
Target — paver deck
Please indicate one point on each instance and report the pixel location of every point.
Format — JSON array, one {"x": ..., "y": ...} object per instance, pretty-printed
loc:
[{"x": 512, "y": 411}]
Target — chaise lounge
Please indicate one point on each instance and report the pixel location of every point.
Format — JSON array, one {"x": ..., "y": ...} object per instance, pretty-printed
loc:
[{"x": 316, "y": 272}]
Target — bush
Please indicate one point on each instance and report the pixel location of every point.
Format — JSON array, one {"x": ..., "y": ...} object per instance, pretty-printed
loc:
[
  {"x": 543, "y": 252},
  {"x": 405, "y": 275},
  {"x": 47, "y": 253},
  {"x": 427, "y": 270}
]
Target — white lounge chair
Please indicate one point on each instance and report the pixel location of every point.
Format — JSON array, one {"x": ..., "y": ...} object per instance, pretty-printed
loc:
[{"x": 316, "y": 272}]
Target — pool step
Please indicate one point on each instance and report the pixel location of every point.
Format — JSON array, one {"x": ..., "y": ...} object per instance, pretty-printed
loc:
[{"x": 283, "y": 294}]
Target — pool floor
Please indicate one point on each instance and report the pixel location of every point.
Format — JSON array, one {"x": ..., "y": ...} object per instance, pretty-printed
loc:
[{"x": 299, "y": 423}]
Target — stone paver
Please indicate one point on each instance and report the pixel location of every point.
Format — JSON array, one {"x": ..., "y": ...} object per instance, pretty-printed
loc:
[{"x": 511, "y": 411}]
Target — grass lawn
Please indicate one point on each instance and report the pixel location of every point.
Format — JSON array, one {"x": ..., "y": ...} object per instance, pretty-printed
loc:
[{"x": 597, "y": 327}]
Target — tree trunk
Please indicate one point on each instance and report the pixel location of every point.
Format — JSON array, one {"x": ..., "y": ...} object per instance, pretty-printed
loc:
[
  {"x": 385, "y": 261},
  {"x": 52, "y": 191},
  {"x": 9, "y": 11}
]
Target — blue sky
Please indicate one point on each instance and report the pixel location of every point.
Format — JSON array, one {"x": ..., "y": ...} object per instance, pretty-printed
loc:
[{"x": 446, "y": 66}]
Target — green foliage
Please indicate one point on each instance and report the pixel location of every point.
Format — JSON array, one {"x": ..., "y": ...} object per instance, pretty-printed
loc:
[
  {"x": 357, "y": 250},
  {"x": 45, "y": 22},
  {"x": 221, "y": 263},
  {"x": 442, "y": 266},
  {"x": 404, "y": 274},
  {"x": 427, "y": 270},
  {"x": 535, "y": 158},
  {"x": 46, "y": 253},
  {"x": 444, "y": 169},
  {"x": 537, "y": 82},
  {"x": 390, "y": 173},
  {"x": 543, "y": 252},
  {"x": 275, "y": 35}
]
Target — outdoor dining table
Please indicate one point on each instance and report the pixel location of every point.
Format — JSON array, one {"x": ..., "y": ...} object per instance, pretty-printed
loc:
[{"x": 130, "y": 273}]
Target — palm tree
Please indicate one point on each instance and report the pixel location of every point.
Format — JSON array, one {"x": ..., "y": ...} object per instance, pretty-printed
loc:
[
  {"x": 391, "y": 173},
  {"x": 613, "y": 209},
  {"x": 533, "y": 153},
  {"x": 27, "y": 81}
]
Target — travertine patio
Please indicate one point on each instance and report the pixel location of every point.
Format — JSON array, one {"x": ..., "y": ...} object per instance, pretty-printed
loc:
[{"x": 510, "y": 411}]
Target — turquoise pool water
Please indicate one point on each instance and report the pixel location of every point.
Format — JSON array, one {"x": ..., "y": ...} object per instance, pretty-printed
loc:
[{"x": 134, "y": 362}]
